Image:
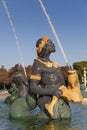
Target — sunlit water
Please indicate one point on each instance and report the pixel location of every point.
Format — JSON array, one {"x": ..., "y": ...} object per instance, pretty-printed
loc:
[{"x": 78, "y": 120}]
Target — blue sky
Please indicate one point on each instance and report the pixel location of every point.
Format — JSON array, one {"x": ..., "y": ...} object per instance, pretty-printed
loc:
[{"x": 69, "y": 18}]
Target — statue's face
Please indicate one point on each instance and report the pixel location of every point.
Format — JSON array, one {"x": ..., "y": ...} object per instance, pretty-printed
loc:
[
  {"x": 45, "y": 49},
  {"x": 51, "y": 46}
]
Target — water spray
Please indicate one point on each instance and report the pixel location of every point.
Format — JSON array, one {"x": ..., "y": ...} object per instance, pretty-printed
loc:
[
  {"x": 14, "y": 33},
  {"x": 54, "y": 31}
]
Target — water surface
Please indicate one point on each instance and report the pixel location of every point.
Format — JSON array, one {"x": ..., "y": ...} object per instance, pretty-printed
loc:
[{"x": 78, "y": 120}]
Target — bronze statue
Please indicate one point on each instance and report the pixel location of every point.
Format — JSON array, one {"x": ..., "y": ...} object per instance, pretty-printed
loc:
[
  {"x": 47, "y": 88},
  {"x": 19, "y": 85},
  {"x": 20, "y": 80},
  {"x": 45, "y": 73}
]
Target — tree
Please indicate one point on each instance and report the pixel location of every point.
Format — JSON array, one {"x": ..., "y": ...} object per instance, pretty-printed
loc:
[
  {"x": 79, "y": 66},
  {"x": 4, "y": 77},
  {"x": 28, "y": 71}
]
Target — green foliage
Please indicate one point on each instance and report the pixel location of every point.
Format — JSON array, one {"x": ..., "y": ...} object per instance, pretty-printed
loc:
[{"x": 79, "y": 66}]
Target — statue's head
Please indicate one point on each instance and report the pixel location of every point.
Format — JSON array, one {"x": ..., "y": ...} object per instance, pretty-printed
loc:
[
  {"x": 18, "y": 68},
  {"x": 44, "y": 46}
]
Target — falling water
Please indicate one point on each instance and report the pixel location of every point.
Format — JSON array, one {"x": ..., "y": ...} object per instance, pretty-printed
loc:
[
  {"x": 15, "y": 35},
  {"x": 53, "y": 30}
]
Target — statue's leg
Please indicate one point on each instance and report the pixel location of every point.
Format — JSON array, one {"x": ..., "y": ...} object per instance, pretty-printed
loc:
[
  {"x": 49, "y": 107},
  {"x": 58, "y": 108},
  {"x": 42, "y": 100}
]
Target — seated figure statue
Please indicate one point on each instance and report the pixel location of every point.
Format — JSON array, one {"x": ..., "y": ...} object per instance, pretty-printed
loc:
[
  {"x": 45, "y": 73},
  {"x": 19, "y": 85},
  {"x": 47, "y": 88},
  {"x": 48, "y": 74},
  {"x": 20, "y": 80}
]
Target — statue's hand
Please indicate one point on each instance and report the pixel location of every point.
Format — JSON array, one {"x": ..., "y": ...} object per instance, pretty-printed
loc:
[{"x": 58, "y": 93}]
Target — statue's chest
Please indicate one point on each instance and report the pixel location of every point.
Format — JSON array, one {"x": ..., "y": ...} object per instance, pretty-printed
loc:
[{"x": 49, "y": 75}]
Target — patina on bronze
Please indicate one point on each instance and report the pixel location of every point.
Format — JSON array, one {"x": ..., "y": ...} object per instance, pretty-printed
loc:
[{"x": 47, "y": 91}]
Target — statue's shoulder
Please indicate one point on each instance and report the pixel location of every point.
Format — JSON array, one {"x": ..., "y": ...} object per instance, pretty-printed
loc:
[
  {"x": 37, "y": 63},
  {"x": 37, "y": 67},
  {"x": 47, "y": 64}
]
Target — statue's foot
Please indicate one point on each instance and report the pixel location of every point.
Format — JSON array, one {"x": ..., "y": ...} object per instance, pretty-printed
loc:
[{"x": 49, "y": 108}]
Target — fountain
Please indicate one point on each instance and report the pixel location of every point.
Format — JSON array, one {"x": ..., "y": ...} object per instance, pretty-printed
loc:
[
  {"x": 46, "y": 88},
  {"x": 20, "y": 107}
]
